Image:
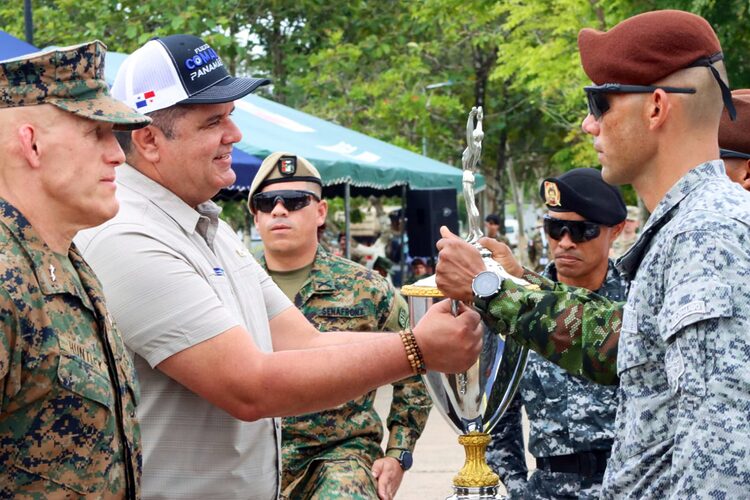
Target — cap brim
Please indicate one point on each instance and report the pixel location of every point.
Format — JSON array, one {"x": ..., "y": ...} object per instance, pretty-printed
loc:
[
  {"x": 228, "y": 89},
  {"x": 104, "y": 109}
]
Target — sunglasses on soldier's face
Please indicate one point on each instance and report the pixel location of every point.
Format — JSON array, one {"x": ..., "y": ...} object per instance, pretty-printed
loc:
[
  {"x": 292, "y": 199},
  {"x": 596, "y": 95},
  {"x": 579, "y": 231}
]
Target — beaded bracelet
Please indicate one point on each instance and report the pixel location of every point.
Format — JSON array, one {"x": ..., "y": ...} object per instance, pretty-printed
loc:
[{"x": 413, "y": 352}]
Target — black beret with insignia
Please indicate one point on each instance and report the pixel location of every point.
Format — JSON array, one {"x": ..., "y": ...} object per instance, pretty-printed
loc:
[{"x": 583, "y": 191}]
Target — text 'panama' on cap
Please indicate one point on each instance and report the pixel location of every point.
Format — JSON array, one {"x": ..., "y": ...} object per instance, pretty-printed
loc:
[{"x": 70, "y": 78}]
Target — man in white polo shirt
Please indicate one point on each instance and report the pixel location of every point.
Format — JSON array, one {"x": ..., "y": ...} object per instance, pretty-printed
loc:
[{"x": 218, "y": 347}]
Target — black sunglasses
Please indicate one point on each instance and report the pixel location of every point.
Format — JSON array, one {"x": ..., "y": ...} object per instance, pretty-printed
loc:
[
  {"x": 596, "y": 95},
  {"x": 293, "y": 199},
  {"x": 578, "y": 230},
  {"x": 728, "y": 153}
]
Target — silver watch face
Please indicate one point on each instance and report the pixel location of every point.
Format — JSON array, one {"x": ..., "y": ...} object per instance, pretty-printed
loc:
[{"x": 485, "y": 284}]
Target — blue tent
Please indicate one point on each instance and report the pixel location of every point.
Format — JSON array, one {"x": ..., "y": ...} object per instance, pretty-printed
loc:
[{"x": 11, "y": 46}]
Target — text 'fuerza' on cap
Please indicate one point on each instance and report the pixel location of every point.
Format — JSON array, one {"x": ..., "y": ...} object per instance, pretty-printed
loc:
[{"x": 70, "y": 78}]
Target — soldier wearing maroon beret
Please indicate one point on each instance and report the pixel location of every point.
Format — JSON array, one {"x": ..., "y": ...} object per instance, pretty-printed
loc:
[
  {"x": 734, "y": 139},
  {"x": 677, "y": 349},
  {"x": 654, "y": 110}
]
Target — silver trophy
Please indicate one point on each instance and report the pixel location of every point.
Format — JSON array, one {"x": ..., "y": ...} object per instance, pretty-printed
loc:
[{"x": 474, "y": 400}]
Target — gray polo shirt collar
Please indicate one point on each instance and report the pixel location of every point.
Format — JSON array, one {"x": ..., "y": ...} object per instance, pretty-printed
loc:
[{"x": 204, "y": 220}]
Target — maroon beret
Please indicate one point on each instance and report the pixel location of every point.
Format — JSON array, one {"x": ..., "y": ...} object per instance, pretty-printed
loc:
[
  {"x": 735, "y": 135},
  {"x": 647, "y": 47}
]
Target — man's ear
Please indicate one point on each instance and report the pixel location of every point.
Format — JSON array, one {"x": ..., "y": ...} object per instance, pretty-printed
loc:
[
  {"x": 745, "y": 182},
  {"x": 616, "y": 230},
  {"x": 28, "y": 140},
  {"x": 658, "y": 107},
  {"x": 322, "y": 211},
  {"x": 146, "y": 142}
]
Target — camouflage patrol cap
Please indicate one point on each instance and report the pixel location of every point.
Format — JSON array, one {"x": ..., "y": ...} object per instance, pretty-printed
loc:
[
  {"x": 282, "y": 167},
  {"x": 734, "y": 136},
  {"x": 70, "y": 78},
  {"x": 633, "y": 213}
]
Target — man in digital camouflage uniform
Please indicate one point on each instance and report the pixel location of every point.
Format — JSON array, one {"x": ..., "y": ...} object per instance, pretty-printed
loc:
[
  {"x": 334, "y": 453},
  {"x": 571, "y": 419},
  {"x": 734, "y": 139},
  {"x": 68, "y": 389},
  {"x": 678, "y": 346}
]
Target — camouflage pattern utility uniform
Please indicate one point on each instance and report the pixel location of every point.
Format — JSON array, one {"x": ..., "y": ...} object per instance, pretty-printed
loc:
[
  {"x": 570, "y": 418},
  {"x": 67, "y": 407},
  {"x": 329, "y": 455},
  {"x": 683, "y": 419}
]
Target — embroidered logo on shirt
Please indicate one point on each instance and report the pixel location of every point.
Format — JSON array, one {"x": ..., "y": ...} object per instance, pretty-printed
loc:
[{"x": 218, "y": 271}]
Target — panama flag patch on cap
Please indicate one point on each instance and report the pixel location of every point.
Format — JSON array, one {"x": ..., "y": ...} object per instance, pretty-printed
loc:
[{"x": 145, "y": 99}]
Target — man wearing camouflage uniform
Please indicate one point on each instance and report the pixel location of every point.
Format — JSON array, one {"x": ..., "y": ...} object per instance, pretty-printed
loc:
[
  {"x": 67, "y": 404},
  {"x": 571, "y": 419},
  {"x": 677, "y": 347},
  {"x": 334, "y": 453},
  {"x": 628, "y": 236}
]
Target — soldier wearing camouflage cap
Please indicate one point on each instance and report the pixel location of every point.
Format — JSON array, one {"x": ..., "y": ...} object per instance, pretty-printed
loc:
[
  {"x": 219, "y": 349},
  {"x": 629, "y": 233},
  {"x": 681, "y": 429},
  {"x": 335, "y": 453},
  {"x": 571, "y": 420},
  {"x": 69, "y": 392},
  {"x": 734, "y": 139}
]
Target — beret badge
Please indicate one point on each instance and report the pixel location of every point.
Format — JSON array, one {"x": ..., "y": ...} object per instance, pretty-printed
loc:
[{"x": 551, "y": 194}]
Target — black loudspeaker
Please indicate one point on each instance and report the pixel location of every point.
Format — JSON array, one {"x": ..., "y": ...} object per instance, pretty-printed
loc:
[{"x": 426, "y": 211}]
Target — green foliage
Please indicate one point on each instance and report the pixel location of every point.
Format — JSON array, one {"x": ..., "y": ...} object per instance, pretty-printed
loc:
[{"x": 373, "y": 65}]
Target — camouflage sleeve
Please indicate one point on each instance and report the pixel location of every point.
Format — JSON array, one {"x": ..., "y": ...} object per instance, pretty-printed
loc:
[
  {"x": 572, "y": 327},
  {"x": 411, "y": 404},
  {"x": 7, "y": 336},
  {"x": 505, "y": 453}
]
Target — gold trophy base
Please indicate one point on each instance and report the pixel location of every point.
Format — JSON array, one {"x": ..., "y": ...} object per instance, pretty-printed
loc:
[{"x": 475, "y": 480}]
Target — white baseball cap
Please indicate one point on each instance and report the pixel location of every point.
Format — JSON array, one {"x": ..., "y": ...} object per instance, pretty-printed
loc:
[{"x": 178, "y": 69}]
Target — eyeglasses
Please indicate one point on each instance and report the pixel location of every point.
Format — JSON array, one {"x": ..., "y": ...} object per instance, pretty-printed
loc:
[
  {"x": 293, "y": 199},
  {"x": 728, "y": 153},
  {"x": 596, "y": 95},
  {"x": 578, "y": 230}
]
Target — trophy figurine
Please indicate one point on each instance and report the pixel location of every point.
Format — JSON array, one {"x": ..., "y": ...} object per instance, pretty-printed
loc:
[{"x": 474, "y": 400}]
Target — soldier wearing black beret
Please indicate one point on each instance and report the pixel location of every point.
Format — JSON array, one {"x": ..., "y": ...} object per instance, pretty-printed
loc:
[
  {"x": 659, "y": 89},
  {"x": 734, "y": 139},
  {"x": 585, "y": 215}
]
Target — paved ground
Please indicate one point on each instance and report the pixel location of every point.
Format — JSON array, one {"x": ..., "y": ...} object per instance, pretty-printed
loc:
[{"x": 437, "y": 458}]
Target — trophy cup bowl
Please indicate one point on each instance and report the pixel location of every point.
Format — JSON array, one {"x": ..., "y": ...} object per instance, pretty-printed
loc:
[{"x": 474, "y": 400}]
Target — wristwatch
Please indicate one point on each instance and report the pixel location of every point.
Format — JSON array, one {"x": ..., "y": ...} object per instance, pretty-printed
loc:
[
  {"x": 486, "y": 286},
  {"x": 404, "y": 458}
]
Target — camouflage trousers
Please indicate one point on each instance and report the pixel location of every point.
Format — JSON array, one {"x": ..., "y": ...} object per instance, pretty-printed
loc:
[
  {"x": 562, "y": 485},
  {"x": 333, "y": 480}
]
